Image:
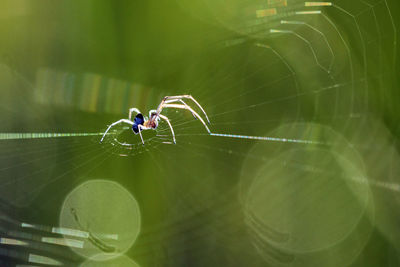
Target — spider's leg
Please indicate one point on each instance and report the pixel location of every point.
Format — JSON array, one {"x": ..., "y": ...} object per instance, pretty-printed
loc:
[
  {"x": 187, "y": 97},
  {"x": 170, "y": 126},
  {"x": 133, "y": 110},
  {"x": 190, "y": 109},
  {"x": 140, "y": 132},
  {"x": 180, "y": 100},
  {"x": 115, "y": 123}
]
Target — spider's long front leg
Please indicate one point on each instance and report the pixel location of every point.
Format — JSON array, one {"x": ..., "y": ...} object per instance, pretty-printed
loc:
[
  {"x": 133, "y": 110},
  {"x": 190, "y": 109},
  {"x": 178, "y": 100},
  {"x": 170, "y": 126},
  {"x": 115, "y": 123},
  {"x": 168, "y": 99}
]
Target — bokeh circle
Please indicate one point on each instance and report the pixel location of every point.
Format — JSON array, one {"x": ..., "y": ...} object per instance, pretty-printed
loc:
[{"x": 105, "y": 210}]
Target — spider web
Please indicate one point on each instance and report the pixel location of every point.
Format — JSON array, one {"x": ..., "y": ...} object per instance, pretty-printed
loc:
[{"x": 295, "y": 88}]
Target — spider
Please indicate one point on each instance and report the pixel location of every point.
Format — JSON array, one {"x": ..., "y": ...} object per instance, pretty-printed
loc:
[{"x": 141, "y": 123}]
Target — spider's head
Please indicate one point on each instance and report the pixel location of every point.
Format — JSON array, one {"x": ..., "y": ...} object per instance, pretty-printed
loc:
[
  {"x": 139, "y": 120},
  {"x": 152, "y": 115},
  {"x": 153, "y": 120}
]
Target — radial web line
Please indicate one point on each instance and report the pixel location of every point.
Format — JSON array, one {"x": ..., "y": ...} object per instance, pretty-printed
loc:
[{"x": 14, "y": 136}]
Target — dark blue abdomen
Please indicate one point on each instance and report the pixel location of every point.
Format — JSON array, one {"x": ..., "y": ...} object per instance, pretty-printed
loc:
[{"x": 139, "y": 120}]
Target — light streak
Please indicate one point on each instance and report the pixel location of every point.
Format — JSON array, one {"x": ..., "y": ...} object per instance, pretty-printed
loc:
[
  {"x": 57, "y": 230},
  {"x": 292, "y": 22},
  {"x": 34, "y": 258},
  {"x": 308, "y": 12},
  {"x": 265, "y": 12},
  {"x": 317, "y": 4},
  {"x": 279, "y": 31},
  {"x": 11, "y": 241},
  {"x": 277, "y": 2},
  {"x": 63, "y": 242}
]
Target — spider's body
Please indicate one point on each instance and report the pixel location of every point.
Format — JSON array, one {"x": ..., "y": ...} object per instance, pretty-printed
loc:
[
  {"x": 141, "y": 123},
  {"x": 152, "y": 123}
]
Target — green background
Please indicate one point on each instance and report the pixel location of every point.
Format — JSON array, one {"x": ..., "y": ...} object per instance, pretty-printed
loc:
[{"x": 212, "y": 201}]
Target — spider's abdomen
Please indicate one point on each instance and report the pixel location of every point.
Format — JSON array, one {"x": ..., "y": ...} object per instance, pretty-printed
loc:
[{"x": 139, "y": 120}]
